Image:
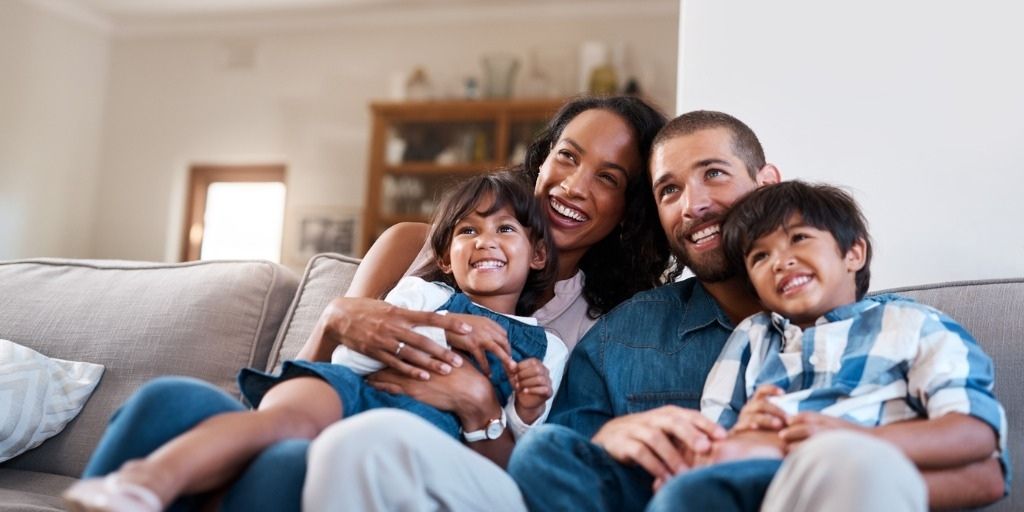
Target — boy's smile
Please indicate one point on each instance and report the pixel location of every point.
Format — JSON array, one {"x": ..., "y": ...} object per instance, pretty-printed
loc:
[{"x": 799, "y": 272}]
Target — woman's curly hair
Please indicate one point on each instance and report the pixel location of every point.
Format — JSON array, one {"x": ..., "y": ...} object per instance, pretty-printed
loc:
[{"x": 634, "y": 256}]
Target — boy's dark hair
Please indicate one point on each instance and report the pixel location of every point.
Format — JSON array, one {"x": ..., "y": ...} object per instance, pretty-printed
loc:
[
  {"x": 633, "y": 257},
  {"x": 822, "y": 206},
  {"x": 744, "y": 142},
  {"x": 508, "y": 189}
]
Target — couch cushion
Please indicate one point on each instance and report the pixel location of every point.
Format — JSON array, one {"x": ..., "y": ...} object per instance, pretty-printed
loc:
[
  {"x": 993, "y": 311},
  {"x": 24, "y": 491},
  {"x": 140, "y": 320},
  {"x": 327, "y": 276}
]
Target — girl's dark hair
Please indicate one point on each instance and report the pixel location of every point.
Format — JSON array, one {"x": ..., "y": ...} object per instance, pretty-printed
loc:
[
  {"x": 633, "y": 257},
  {"x": 822, "y": 206},
  {"x": 508, "y": 189}
]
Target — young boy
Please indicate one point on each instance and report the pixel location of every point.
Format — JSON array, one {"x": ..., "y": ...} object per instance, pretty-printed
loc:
[{"x": 823, "y": 357}]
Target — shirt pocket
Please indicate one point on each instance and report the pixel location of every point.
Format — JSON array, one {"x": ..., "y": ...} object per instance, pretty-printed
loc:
[{"x": 645, "y": 401}]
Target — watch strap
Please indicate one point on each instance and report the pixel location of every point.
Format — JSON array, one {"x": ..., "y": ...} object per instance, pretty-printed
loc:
[{"x": 481, "y": 435}]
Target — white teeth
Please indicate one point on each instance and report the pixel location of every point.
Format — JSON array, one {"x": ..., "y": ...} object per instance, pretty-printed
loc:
[
  {"x": 489, "y": 264},
  {"x": 565, "y": 211},
  {"x": 797, "y": 281},
  {"x": 705, "y": 233}
]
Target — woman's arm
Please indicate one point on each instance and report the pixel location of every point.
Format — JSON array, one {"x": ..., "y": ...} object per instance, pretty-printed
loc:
[
  {"x": 466, "y": 392},
  {"x": 363, "y": 322}
]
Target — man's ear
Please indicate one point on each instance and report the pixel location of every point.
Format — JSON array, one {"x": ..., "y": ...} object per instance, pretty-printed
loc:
[
  {"x": 856, "y": 257},
  {"x": 540, "y": 256},
  {"x": 768, "y": 175}
]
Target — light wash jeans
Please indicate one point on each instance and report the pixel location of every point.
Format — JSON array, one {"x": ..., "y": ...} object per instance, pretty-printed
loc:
[{"x": 165, "y": 407}]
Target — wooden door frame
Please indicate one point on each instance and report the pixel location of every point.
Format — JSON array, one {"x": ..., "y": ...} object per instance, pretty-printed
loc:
[{"x": 200, "y": 177}]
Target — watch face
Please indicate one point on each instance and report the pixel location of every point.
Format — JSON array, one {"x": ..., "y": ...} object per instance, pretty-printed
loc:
[{"x": 494, "y": 429}]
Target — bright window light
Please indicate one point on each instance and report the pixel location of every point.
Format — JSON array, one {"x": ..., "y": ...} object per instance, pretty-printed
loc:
[{"x": 243, "y": 221}]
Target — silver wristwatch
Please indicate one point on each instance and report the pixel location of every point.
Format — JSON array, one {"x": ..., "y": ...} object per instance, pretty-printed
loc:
[{"x": 492, "y": 431}]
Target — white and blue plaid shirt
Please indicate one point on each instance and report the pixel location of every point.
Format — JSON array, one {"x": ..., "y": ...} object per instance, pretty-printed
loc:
[{"x": 873, "y": 362}]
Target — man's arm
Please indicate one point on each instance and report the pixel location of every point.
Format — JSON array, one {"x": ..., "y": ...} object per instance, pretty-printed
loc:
[{"x": 652, "y": 439}]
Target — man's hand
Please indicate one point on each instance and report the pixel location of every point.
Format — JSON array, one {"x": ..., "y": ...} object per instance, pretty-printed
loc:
[
  {"x": 759, "y": 413},
  {"x": 806, "y": 424},
  {"x": 533, "y": 389},
  {"x": 663, "y": 441},
  {"x": 486, "y": 336}
]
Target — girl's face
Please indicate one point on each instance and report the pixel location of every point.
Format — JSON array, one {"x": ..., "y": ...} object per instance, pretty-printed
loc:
[
  {"x": 491, "y": 256},
  {"x": 582, "y": 182}
]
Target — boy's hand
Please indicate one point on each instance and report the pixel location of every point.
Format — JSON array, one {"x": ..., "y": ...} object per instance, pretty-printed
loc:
[
  {"x": 760, "y": 414},
  {"x": 806, "y": 424},
  {"x": 486, "y": 336},
  {"x": 532, "y": 385}
]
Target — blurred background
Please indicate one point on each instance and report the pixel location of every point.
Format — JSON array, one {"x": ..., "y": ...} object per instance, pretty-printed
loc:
[{"x": 181, "y": 129}]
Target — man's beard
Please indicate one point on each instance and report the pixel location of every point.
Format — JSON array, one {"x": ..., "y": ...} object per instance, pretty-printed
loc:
[{"x": 709, "y": 267}]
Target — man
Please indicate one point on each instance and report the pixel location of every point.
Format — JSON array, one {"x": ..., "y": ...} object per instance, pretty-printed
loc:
[{"x": 626, "y": 413}]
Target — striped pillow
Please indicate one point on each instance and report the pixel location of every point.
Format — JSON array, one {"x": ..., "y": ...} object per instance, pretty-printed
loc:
[{"x": 39, "y": 396}]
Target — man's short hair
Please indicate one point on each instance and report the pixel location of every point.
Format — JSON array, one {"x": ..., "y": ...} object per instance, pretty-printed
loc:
[
  {"x": 822, "y": 206},
  {"x": 744, "y": 143}
]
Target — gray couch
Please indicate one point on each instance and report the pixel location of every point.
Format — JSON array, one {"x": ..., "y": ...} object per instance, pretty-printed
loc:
[{"x": 208, "y": 319}]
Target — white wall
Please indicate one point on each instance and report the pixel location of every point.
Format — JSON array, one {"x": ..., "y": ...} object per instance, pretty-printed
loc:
[
  {"x": 174, "y": 100},
  {"x": 916, "y": 106},
  {"x": 52, "y": 90}
]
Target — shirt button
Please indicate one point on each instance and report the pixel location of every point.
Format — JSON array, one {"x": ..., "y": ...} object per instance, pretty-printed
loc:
[{"x": 815, "y": 359}]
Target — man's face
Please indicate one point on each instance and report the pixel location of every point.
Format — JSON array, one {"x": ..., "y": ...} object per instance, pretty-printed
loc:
[{"x": 697, "y": 177}]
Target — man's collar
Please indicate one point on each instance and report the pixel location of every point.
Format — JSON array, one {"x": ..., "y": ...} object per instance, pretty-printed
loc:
[{"x": 701, "y": 310}]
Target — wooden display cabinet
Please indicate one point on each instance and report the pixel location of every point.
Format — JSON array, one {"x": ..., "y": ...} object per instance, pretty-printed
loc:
[{"x": 417, "y": 149}]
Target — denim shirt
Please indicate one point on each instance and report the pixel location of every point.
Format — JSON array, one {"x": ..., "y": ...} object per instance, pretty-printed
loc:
[{"x": 654, "y": 349}]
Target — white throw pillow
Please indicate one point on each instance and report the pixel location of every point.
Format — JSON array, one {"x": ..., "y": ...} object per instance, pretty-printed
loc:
[{"x": 39, "y": 396}]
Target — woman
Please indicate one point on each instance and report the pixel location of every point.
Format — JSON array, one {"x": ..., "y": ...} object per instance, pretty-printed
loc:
[
  {"x": 590, "y": 172},
  {"x": 588, "y": 165}
]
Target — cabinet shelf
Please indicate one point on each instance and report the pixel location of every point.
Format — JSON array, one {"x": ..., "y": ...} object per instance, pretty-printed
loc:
[
  {"x": 417, "y": 149},
  {"x": 432, "y": 168}
]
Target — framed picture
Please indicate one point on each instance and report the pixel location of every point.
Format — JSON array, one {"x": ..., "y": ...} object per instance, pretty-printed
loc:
[{"x": 317, "y": 229}]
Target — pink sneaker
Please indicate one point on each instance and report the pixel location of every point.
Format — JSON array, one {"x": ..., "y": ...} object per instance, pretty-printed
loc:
[{"x": 110, "y": 494}]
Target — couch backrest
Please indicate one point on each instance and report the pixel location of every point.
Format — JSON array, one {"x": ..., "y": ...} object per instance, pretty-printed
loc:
[
  {"x": 327, "y": 276},
  {"x": 993, "y": 311},
  {"x": 140, "y": 320}
]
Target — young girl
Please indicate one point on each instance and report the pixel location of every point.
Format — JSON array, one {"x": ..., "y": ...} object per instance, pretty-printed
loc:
[{"x": 494, "y": 256}]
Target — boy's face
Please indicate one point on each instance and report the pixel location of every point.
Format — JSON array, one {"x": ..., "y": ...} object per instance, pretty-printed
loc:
[
  {"x": 799, "y": 272},
  {"x": 491, "y": 256}
]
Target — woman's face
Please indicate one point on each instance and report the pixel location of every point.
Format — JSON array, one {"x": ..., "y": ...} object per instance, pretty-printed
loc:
[{"x": 582, "y": 182}]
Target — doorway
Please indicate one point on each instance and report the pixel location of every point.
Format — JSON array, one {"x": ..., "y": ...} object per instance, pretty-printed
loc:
[{"x": 234, "y": 212}]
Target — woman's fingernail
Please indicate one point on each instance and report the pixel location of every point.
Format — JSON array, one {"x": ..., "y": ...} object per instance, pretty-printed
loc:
[
  {"x": 445, "y": 369},
  {"x": 466, "y": 328},
  {"x": 424, "y": 376},
  {"x": 457, "y": 361}
]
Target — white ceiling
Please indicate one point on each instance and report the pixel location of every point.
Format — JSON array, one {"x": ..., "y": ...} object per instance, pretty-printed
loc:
[{"x": 148, "y": 17}]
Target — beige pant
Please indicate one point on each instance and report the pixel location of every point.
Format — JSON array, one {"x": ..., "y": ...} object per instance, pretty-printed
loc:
[
  {"x": 391, "y": 460},
  {"x": 846, "y": 472}
]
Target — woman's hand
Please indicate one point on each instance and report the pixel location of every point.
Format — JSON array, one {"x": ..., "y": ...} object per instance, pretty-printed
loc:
[
  {"x": 464, "y": 391},
  {"x": 486, "y": 336},
  {"x": 384, "y": 332}
]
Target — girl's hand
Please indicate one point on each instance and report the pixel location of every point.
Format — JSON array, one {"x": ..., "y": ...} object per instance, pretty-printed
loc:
[
  {"x": 465, "y": 391},
  {"x": 486, "y": 336},
  {"x": 759, "y": 413},
  {"x": 533, "y": 389},
  {"x": 384, "y": 332},
  {"x": 806, "y": 424}
]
